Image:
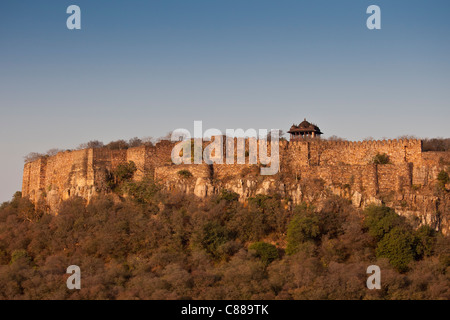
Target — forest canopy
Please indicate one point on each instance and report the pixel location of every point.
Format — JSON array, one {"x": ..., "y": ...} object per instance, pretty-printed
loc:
[{"x": 155, "y": 245}]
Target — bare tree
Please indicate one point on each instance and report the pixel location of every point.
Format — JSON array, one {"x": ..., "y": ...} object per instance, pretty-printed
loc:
[
  {"x": 336, "y": 138},
  {"x": 407, "y": 137},
  {"x": 281, "y": 133},
  {"x": 148, "y": 141},
  {"x": 135, "y": 142},
  {"x": 436, "y": 144},
  {"x": 32, "y": 156},
  {"x": 91, "y": 144},
  {"x": 166, "y": 137},
  {"x": 53, "y": 152},
  {"x": 118, "y": 145}
]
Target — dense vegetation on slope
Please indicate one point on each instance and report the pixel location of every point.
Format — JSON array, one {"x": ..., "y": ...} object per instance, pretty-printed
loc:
[{"x": 154, "y": 245}]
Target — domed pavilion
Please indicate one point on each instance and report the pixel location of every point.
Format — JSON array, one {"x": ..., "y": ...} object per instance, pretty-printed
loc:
[{"x": 304, "y": 130}]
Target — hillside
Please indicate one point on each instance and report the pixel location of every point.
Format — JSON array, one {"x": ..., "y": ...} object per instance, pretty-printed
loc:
[
  {"x": 141, "y": 227},
  {"x": 159, "y": 245}
]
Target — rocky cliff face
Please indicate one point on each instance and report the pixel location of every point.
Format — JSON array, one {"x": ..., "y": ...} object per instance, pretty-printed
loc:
[
  {"x": 423, "y": 204},
  {"x": 309, "y": 171}
]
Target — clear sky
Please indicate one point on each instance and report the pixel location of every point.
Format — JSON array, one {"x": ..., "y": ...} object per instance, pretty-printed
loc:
[{"x": 143, "y": 68}]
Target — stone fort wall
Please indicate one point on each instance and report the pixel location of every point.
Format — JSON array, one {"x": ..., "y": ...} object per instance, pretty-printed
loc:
[
  {"x": 83, "y": 172},
  {"x": 320, "y": 152}
]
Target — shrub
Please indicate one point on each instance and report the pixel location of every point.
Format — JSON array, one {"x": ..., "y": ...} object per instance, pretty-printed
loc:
[
  {"x": 265, "y": 251},
  {"x": 142, "y": 191},
  {"x": 250, "y": 170},
  {"x": 381, "y": 158},
  {"x": 185, "y": 173},
  {"x": 263, "y": 202},
  {"x": 443, "y": 178},
  {"x": 228, "y": 196}
]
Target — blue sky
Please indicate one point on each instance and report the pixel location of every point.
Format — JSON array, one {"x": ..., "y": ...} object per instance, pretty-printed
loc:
[{"x": 143, "y": 68}]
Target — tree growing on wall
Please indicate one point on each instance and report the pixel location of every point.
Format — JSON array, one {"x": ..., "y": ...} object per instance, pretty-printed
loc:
[
  {"x": 185, "y": 173},
  {"x": 381, "y": 158}
]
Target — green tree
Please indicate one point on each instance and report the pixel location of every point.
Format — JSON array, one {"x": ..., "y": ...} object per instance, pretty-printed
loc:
[
  {"x": 425, "y": 240},
  {"x": 125, "y": 172},
  {"x": 380, "y": 220},
  {"x": 398, "y": 247},
  {"x": 19, "y": 254},
  {"x": 304, "y": 227},
  {"x": 265, "y": 251},
  {"x": 213, "y": 236}
]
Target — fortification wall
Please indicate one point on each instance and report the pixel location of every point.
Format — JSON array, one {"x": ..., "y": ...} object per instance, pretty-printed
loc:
[
  {"x": 432, "y": 163},
  {"x": 431, "y": 158},
  {"x": 109, "y": 159},
  {"x": 362, "y": 178},
  {"x": 69, "y": 173},
  {"x": 158, "y": 156},
  {"x": 354, "y": 153},
  {"x": 225, "y": 172},
  {"x": 308, "y": 170},
  {"x": 198, "y": 184},
  {"x": 171, "y": 173},
  {"x": 85, "y": 172},
  {"x": 33, "y": 178},
  {"x": 394, "y": 177},
  {"x": 139, "y": 156}
]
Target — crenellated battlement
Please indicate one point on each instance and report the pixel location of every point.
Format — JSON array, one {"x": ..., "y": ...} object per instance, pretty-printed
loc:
[{"x": 416, "y": 143}]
